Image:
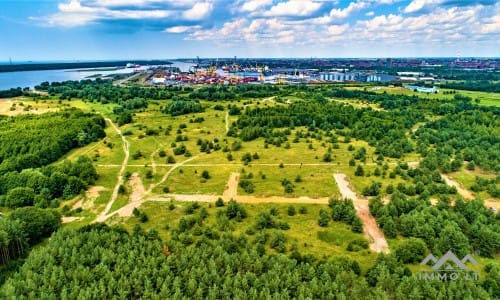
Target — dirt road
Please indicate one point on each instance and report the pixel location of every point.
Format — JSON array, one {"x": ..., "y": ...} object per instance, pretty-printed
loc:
[
  {"x": 232, "y": 187},
  {"x": 378, "y": 243},
  {"x": 126, "y": 147},
  {"x": 227, "y": 122}
]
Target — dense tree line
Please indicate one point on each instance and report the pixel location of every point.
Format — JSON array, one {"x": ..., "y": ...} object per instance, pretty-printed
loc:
[
  {"x": 10, "y": 93},
  {"x": 43, "y": 187},
  {"x": 101, "y": 262},
  {"x": 473, "y": 85},
  {"x": 383, "y": 130},
  {"x": 23, "y": 228},
  {"x": 103, "y": 91},
  {"x": 470, "y": 135},
  {"x": 463, "y": 228},
  {"x": 31, "y": 141}
]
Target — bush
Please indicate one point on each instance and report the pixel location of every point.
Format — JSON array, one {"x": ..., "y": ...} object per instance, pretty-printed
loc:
[
  {"x": 143, "y": 217},
  {"x": 303, "y": 210},
  {"x": 291, "y": 210},
  {"x": 219, "y": 202},
  {"x": 324, "y": 218},
  {"x": 410, "y": 251},
  {"x": 205, "y": 174},
  {"x": 235, "y": 210},
  {"x": 356, "y": 245}
]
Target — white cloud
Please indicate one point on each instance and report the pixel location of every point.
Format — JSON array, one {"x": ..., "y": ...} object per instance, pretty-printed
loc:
[
  {"x": 115, "y": 3},
  {"x": 253, "y": 5},
  {"x": 81, "y": 12},
  {"x": 182, "y": 29},
  {"x": 370, "y": 14},
  {"x": 198, "y": 11},
  {"x": 346, "y": 12},
  {"x": 417, "y": 5},
  {"x": 299, "y": 8},
  {"x": 337, "y": 29}
]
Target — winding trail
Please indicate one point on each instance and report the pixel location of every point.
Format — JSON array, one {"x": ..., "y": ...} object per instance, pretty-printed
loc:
[
  {"x": 126, "y": 149},
  {"x": 378, "y": 243},
  {"x": 227, "y": 122}
]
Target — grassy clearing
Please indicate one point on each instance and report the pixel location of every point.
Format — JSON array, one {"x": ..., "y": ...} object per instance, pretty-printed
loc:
[
  {"x": 304, "y": 232},
  {"x": 188, "y": 180}
]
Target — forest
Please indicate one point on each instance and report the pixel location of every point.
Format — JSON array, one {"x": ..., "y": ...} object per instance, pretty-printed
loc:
[
  {"x": 31, "y": 141},
  {"x": 114, "y": 264}
]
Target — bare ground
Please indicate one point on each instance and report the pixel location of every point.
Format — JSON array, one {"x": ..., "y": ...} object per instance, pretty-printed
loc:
[
  {"x": 78, "y": 204},
  {"x": 465, "y": 193},
  {"x": 378, "y": 243},
  {"x": 227, "y": 122},
  {"x": 92, "y": 194},
  {"x": 135, "y": 183},
  {"x": 231, "y": 189},
  {"x": 70, "y": 219}
]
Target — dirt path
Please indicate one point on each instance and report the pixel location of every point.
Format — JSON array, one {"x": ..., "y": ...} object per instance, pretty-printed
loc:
[
  {"x": 175, "y": 166},
  {"x": 231, "y": 189},
  {"x": 114, "y": 195},
  {"x": 241, "y": 199},
  {"x": 378, "y": 243},
  {"x": 135, "y": 183},
  {"x": 227, "y": 122},
  {"x": 252, "y": 163},
  {"x": 463, "y": 192},
  {"x": 153, "y": 163},
  {"x": 344, "y": 188}
]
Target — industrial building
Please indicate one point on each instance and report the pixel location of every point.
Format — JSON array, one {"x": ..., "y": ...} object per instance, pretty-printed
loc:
[{"x": 421, "y": 89}]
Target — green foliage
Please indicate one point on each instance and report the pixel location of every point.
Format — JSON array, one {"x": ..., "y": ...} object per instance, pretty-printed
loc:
[
  {"x": 247, "y": 185},
  {"x": 30, "y": 141},
  {"x": 357, "y": 245},
  {"x": 182, "y": 107},
  {"x": 36, "y": 223},
  {"x": 235, "y": 210},
  {"x": 219, "y": 202},
  {"x": 412, "y": 250},
  {"x": 324, "y": 218},
  {"x": 40, "y": 186}
]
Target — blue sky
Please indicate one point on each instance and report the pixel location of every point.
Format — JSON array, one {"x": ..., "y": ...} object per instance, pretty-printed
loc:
[{"x": 126, "y": 29}]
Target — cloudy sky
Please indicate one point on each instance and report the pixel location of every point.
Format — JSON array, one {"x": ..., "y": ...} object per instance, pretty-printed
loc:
[{"x": 126, "y": 29}]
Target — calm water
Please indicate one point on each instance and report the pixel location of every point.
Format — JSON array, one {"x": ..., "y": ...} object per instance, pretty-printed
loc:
[{"x": 31, "y": 78}]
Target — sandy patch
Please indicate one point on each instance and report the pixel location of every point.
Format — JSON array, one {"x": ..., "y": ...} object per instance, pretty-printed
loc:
[
  {"x": 135, "y": 183},
  {"x": 78, "y": 204},
  {"x": 231, "y": 189},
  {"x": 70, "y": 219}
]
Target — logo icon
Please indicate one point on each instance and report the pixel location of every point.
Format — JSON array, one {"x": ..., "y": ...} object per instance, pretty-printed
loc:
[{"x": 448, "y": 267}]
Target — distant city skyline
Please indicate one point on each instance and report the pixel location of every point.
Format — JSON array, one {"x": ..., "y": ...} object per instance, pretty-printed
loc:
[{"x": 166, "y": 29}]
